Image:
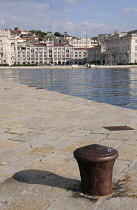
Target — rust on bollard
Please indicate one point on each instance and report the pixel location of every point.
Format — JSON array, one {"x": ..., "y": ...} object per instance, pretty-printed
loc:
[{"x": 96, "y": 165}]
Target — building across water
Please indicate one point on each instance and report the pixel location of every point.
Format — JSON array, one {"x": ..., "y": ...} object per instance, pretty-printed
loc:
[
  {"x": 116, "y": 48},
  {"x": 23, "y": 48},
  {"x": 8, "y": 48}
]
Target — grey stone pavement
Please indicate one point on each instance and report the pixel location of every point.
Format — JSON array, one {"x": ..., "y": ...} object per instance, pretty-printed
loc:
[{"x": 40, "y": 129}]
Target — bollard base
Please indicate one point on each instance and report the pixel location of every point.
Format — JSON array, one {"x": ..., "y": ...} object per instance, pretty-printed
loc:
[{"x": 96, "y": 178}]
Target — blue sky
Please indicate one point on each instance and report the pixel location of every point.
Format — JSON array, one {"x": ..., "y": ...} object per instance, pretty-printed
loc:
[{"x": 73, "y": 16}]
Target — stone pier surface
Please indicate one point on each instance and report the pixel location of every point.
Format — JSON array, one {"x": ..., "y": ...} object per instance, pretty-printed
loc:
[{"x": 40, "y": 129}]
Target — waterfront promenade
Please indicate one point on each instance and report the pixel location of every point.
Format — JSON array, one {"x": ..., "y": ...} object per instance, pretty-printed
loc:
[
  {"x": 40, "y": 129},
  {"x": 68, "y": 67}
]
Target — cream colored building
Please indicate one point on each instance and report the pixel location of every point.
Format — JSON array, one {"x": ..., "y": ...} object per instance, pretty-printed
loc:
[
  {"x": 116, "y": 48},
  {"x": 83, "y": 43},
  {"x": 121, "y": 48},
  {"x": 80, "y": 56},
  {"x": 96, "y": 55},
  {"x": 8, "y": 48},
  {"x": 46, "y": 54}
]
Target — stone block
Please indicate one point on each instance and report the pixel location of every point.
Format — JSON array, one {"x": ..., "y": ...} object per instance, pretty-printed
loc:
[
  {"x": 118, "y": 203},
  {"x": 9, "y": 154},
  {"x": 127, "y": 152},
  {"x": 119, "y": 167},
  {"x": 79, "y": 133},
  {"x": 6, "y": 200},
  {"x": 43, "y": 151},
  {"x": 8, "y": 143},
  {"x": 79, "y": 143},
  {"x": 69, "y": 201},
  {"x": 19, "y": 164},
  {"x": 6, "y": 136}
]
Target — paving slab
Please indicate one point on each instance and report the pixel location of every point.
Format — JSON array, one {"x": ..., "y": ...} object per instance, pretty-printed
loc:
[{"x": 117, "y": 203}]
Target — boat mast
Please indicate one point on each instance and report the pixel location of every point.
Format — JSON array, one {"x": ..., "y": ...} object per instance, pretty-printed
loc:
[
  {"x": 86, "y": 46},
  {"x": 86, "y": 38}
]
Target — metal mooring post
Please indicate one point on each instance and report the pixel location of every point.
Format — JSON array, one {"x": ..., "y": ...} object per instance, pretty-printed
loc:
[{"x": 96, "y": 165}]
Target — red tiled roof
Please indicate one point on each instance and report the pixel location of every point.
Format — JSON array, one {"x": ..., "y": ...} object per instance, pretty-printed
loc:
[
  {"x": 21, "y": 39},
  {"x": 61, "y": 45},
  {"x": 91, "y": 48},
  {"x": 81, "y": 48},
  {"x": 36, "y": 44}
]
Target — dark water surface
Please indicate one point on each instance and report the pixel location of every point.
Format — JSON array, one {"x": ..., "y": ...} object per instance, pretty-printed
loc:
[{"x": 112, "y": 86}]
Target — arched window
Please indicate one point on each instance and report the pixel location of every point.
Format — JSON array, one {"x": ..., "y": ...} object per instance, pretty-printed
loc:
[{"x": 12, "y": 44}]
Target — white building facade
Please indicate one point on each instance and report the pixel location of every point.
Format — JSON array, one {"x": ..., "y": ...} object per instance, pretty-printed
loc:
[
  {"x": 83, "y": 43},
  {"x": 46, "y": 54},
  {"x": 117, "y": 48},
  {"x": 8, "y": 48},
  {"x": 80, "y": 56},
  {"x": 121, "y": 48},
  {"x": 96, "y": 55}
]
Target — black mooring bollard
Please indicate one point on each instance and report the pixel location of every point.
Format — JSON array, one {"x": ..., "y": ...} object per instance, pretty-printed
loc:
[{"x": 96, "y": 165}]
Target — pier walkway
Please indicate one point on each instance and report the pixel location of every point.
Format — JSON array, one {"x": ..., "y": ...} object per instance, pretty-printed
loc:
[{"x": 40, "y": 129}]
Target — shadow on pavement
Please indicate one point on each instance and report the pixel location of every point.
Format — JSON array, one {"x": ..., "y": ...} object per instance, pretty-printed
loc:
[{"x": 45, "y": 178}]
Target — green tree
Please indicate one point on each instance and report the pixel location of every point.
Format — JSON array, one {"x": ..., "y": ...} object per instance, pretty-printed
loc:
[
  {"x": 40, "y": 39},
  {"x": 57, "y": 34},
  {"x": 40, "y": 34}
]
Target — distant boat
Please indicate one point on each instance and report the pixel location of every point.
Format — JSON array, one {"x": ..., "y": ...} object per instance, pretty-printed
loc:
[
  {"x": 89, "y": 65},
  {"x": 92, "y": 65},
  {"x": 74, "y": 65}
]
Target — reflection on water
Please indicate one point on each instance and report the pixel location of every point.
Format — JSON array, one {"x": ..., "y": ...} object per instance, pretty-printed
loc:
[{"x": 113, "y": 86}]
